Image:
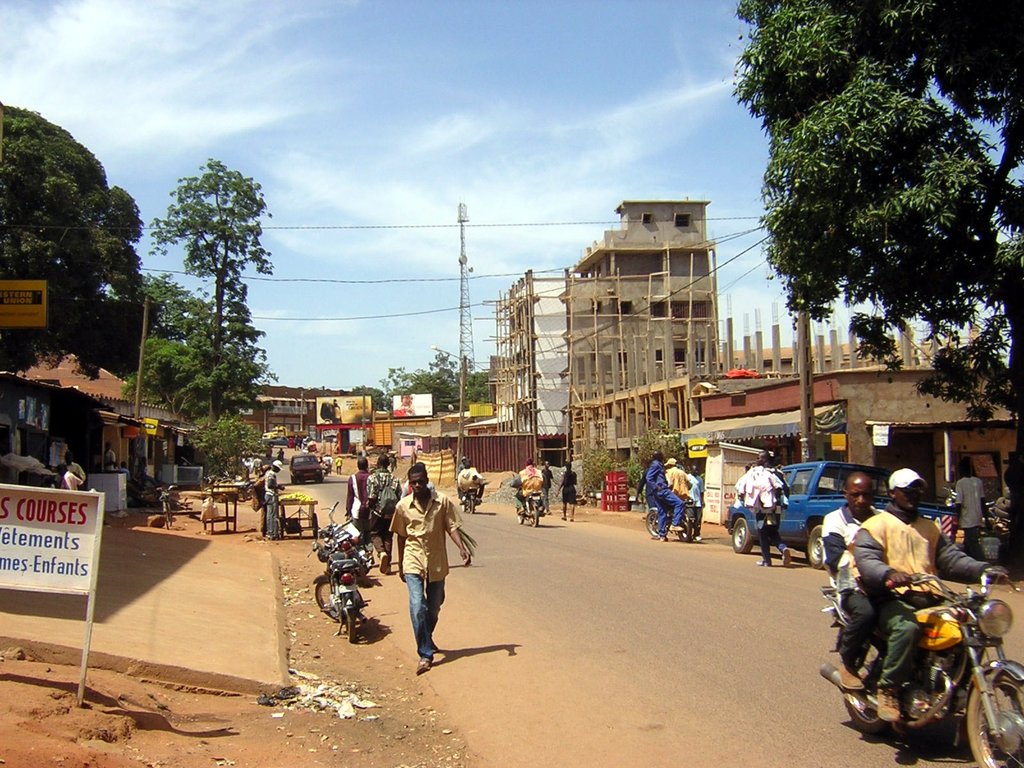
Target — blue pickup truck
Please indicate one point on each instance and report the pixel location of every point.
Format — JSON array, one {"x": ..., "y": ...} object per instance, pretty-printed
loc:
[{"x": 815, "y": 489}]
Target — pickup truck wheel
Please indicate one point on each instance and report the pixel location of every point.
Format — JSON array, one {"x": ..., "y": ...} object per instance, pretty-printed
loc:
[
  {"x": 815, "y": 549},
  {"x": 742, "y": 541}
]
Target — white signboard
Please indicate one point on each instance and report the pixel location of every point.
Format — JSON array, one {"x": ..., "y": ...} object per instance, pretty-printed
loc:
[
  {"x": 880, "y": 435},
  {"x": 49, "y": 539}
]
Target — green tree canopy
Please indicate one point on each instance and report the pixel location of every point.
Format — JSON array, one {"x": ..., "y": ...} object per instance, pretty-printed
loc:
[
  {"x": 216, "y": 217},
  {"x": 60, "y": 222},
  {"x": 896, "y": 136},
  {"x": 178, "y": 360}
]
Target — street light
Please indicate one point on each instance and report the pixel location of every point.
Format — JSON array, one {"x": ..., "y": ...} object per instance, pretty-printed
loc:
[{"x": 462, "y": 399}]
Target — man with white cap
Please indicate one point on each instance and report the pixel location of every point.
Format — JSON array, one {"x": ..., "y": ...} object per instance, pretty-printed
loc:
[
  {"x": 889, "y": 549},
  {"x": 271, "y": 485}
]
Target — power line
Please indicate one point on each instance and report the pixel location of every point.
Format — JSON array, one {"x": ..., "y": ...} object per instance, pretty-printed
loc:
[{"x": 358, "y": 227}]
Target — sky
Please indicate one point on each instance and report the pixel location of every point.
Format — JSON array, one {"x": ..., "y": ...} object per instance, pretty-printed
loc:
[{"x": 368, "y": 123}]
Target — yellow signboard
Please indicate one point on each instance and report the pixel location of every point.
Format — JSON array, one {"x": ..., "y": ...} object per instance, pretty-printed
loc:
[
  {"x": 481, "y": 410},
  {"x": 838, "y": 441},
  {"x": 697, "y": 448},
  {"x": 23, "y": 304},
  {"x": 149, "y": 426}
]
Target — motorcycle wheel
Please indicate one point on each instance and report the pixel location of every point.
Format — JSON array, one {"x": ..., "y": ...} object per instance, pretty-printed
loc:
[
  {"x": 652, "y": 522},
  {"x": 322, "y": 593},
  {"x": 534, "y": 519},
  {"x": 522, "y": 518},
  {"x": 989, "y": 750},
  {"x": 350, "y": 624},
  {"x": 863, "y": 716}
]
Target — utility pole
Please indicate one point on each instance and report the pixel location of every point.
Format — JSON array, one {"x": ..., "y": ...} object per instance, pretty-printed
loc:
[
  {"x": 142, "y": 359},
  {"x": 803, "y": 344},
  {"x": 465, "y": 327}
]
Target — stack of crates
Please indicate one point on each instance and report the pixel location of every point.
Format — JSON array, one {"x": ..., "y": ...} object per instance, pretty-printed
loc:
[{"x": 616, "y": 492}]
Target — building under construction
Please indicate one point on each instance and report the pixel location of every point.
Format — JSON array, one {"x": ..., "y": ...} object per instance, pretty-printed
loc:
[
  {"x": 593, "y": 358},
  {"x": 642, "y": 323}
]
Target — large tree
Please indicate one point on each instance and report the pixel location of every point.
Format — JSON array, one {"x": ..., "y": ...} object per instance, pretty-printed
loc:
[
  {"x": 178, "y": 355},
  {"x": 216, "y": 216},
  {"x": 896, "y": 132},
  {"x": 60, "y": 222}
]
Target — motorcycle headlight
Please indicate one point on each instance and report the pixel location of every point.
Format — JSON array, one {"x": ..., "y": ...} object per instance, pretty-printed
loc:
[{"x": 995, "y": 618}]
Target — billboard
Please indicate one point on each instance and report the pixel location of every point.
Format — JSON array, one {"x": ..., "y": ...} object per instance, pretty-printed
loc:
[
  {"x": 23, "y": 304},
  {"x": 404, "y": 406},
  {"x": 344, "y": 409}
]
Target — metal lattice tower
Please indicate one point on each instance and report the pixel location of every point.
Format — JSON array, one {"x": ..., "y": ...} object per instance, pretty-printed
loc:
[{"x": 465, "y": 314}]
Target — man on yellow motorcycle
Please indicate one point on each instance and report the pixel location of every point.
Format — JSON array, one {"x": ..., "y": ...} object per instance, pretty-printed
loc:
[{"x": 888, "y": 549}]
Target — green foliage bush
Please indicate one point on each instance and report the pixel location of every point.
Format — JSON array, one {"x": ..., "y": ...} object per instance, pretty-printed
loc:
[
  {"x": 225, "y": 443},
  {"x": 595, "y": 464}
]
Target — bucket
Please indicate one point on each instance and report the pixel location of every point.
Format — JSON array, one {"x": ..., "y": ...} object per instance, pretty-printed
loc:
[{"x": 990, "y": 548}]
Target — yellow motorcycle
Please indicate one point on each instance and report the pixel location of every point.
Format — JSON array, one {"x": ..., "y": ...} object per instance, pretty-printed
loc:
[{"x": 961, "y": 671}]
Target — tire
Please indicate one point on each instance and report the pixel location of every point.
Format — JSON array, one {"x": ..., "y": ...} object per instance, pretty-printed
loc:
[
  {"x": 315, "y": 525},
  {"x": 1009, "y": 704},
  {"x": 815, "y": 549},
  {"x": 742, "y": 539},
  {"x": 322, "y": 593},
  {"x": 350, "y": 624},
  {"x": 652, "y": 522},
  {"x": 522, "y": 518},
  {"x": 863, "y": 717},
  {"x": 535, "y": 518}
]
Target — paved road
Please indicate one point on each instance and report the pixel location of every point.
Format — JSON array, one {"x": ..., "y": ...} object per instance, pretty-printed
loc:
[{"x": 589, "y": 644}]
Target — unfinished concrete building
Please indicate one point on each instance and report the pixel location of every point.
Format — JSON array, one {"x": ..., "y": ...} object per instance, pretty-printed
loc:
[
  {"x": 531, "y": 368},
  {"x": 642, "y": 324}
]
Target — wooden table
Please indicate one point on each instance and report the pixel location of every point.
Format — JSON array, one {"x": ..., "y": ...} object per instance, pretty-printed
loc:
[
  {"x": 297, "y": 516},
  {"x": 226, "y": 494}
]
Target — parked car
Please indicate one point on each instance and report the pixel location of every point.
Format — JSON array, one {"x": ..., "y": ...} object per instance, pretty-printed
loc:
[
  {"x": 306, "y": 467},
  {"x": 815, "y": 489},
  {"x": 276, "y": 442}
]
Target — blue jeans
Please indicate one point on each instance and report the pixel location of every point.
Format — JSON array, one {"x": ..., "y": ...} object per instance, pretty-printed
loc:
[
  {"x": 270, "y": 516},
  {"x": 424, "y": 607}
]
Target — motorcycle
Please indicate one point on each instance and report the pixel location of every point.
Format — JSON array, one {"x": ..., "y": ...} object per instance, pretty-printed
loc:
[
  {"x": 689, "y": 523},
  {"x": 960, "y": 671},
  {"x": 470, "y": 499},
  {"x": 337, "y": 589},
  {"x": 532, "y": 509}
]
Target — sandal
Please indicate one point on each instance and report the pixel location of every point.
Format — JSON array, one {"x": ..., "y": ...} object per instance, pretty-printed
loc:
[{"x": 423, "y": 666}]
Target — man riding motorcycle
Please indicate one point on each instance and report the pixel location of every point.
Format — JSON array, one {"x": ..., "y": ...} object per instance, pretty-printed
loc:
[
  {"x": 469, "y": 480},
  {"x": 530, "y": 481},
  {"x": 888, "y": 549}
]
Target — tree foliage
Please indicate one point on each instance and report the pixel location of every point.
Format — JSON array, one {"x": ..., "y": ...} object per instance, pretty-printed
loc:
[
  {"x": 60, "y": 222},
  {"x": 216, "y": 218},
  {"x": 896, "y": 138},
  {"x": 176, "y": 373},
  {"x": 225, "y": 443}
]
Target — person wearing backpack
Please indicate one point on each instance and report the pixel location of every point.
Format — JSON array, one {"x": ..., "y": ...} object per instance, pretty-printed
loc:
[{"x": 383, "y": 490}]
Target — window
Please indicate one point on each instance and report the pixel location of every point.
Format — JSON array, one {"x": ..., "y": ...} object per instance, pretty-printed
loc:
[
  {"x": 679, "y": 355},
  {"x": 800, "y": 481},
  {"x": 658, "y": 309},
  {"x": 646, "y": 218},
  {"x": 683, "y": 220},
  {"x": 625, "y": 308}
]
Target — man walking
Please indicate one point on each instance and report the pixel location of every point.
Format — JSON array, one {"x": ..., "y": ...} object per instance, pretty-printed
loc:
[
  {"x": 356, "y": 502},
  {"x": 383, "y": 490},
  {"x": 970, "y": 492},
  {"x": 547, "y": 478},
  {"x": 697, "y": 499},
  {"x": 420, "y": 522}
]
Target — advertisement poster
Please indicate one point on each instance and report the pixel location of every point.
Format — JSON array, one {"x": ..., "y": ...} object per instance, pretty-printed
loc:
[
  {"x": 406, "y": 406},
  {"x": 346, "y": 409},
  {"x": 49, "y": 539}
]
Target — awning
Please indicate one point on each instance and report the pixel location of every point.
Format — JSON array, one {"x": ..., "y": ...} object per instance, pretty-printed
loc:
[{"x": 779, "y": 424}]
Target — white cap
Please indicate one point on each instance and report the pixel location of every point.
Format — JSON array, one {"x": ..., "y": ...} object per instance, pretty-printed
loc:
[
  {"x": 277, "y": 465},
  {"x": 904, "y": 478}
]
